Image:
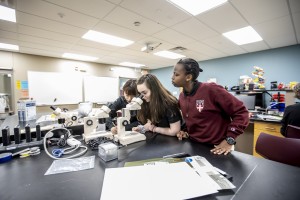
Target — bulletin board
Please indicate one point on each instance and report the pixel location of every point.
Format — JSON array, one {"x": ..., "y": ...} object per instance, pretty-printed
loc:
[
  {"x": 51, "y": 88},
  {"x": 100, "y": 89}
]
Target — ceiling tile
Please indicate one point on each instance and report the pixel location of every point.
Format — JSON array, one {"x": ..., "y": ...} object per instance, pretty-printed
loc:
[
  {"x": 125, "y": 18},
  {"x": 8, "y": 35},
  {"x": 295, "y": 6},
  {"x": 89, "y": 50},
  {"x": 296, "y": 18},
  {"x": 43, "y": 41},
  {"x": 257, "y": 11},
  {"x": 50, "y": 25},
  {"x": 118, "y": 31},
  {"x": 173, "y": 37},
  {"x": 224, "y": 45},
  {"x": 9, "y": 41},
  {"x": 94, "y": 8},
  {"x": 38, "y": 47},
  {"x": 56, "y": 13},
  {"x": 223, "y": 19},
  {"x": 256, "y": 46},
  {"x": 27, "y": 30},
  {"x": 206, "y": 50},
  {"x": 160, "y": 11},
  {"x": 8, "y": 26},
  {"x": 41, "y": 52},
  {"x": 277, "y": 32},
  {"x": 195, "y": 29}
]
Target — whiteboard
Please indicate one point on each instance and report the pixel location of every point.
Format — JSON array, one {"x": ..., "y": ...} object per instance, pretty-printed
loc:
[
  {"x": 100, "y": 89},
  {"x": 52, "y": 88}
]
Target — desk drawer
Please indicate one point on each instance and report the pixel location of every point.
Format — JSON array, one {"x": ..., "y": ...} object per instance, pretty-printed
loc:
[{"x": 267, "y": 127}]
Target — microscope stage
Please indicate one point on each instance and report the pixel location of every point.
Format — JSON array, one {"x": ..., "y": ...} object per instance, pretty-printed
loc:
[{"x": 130, "y": 137}]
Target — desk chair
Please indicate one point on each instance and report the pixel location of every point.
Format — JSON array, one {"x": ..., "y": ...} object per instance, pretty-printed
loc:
[
  {"x": 284, "y": 150},
  {"x": 292, "y": 132}
]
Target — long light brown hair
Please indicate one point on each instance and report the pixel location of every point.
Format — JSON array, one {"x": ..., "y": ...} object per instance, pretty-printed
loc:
[{"x": 161, "y": 100}]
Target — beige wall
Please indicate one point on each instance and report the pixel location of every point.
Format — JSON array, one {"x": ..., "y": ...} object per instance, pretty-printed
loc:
[{"x": 22, "y": 63}]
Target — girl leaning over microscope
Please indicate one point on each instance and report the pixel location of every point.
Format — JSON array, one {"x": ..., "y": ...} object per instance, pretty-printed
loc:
[{"x": 159, "y": 111}]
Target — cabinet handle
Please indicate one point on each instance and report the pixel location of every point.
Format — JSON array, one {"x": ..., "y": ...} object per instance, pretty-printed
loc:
[{"x": 269, "y": 128}]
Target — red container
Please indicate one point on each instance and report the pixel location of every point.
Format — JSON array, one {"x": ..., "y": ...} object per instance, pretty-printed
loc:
[{"x": 279, "y": 98}]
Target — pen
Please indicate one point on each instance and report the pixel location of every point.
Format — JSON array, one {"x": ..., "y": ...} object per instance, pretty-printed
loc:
[{"x": 177, "y": 155}]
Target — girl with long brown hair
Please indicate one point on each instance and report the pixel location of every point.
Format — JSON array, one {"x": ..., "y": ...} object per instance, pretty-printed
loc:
[{"x": 160, "y": 111}]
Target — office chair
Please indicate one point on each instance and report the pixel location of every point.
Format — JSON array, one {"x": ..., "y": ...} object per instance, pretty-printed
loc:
[
  {"x": 284, "y": 150},
  {"x": 292, "y": 132}
]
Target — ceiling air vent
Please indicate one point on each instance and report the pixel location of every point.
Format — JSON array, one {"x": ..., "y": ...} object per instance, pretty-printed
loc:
[{"x": 178, "y": 49}]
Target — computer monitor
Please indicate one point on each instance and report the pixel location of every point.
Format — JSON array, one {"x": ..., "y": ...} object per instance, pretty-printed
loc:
[{"x": 249, "y": 101}]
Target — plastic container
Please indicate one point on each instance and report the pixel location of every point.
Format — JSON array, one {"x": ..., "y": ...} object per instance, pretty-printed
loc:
[
  {"x": 281, "y": 107},
  {"x": 108, "y": 151},
  {"x": 279, "y": 98}
]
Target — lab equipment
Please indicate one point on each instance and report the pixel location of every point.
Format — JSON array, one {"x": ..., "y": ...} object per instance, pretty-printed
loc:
[
  {"x": 108, "y": 151},
  {"x": 28, "y": 133},
  {"x": 17, "y": 135},
  {"x": 74, "y": 145},
  {"x": 38, "y": 132},
  {"x": 6, "y": 136},
  {"x": 70, "y": 118},
  {"x": 94, "y": 124},
  {"x": 26, "y": 110},
  {"x": 248, "y": 101},
  {"x": 128, "y": 137}
]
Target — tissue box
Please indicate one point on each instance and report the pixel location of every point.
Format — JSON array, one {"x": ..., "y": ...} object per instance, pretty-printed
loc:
[{"x": 108, "y": 151}]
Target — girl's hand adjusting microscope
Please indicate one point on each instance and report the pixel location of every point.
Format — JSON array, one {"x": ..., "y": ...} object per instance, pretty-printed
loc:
[{"x": 128, "y": 137}]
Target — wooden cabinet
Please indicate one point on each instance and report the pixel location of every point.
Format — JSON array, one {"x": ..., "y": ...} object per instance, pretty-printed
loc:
[{"x": 266, "y": 127}]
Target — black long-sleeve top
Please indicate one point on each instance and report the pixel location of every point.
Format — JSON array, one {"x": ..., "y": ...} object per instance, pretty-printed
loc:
[{"x": 118, "y": 104}]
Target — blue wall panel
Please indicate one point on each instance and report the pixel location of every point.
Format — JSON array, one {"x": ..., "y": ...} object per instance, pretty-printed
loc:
[{"x": 281, "y": 64}]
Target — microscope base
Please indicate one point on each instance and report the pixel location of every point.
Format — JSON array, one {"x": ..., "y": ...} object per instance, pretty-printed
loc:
[
  {"x": 94, "y": 135},
  {"x": 130, "y": 137}
]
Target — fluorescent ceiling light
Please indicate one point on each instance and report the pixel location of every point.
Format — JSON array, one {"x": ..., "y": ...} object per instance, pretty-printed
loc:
[
  {"x": 195, "y": 7},
  {"x": 243, "y": 36},
  {"x": 130, "y": 64},
  {"x": 169, "y": 54},
  {"x": 79, "y": 57},
  {"x": 7, "y": 14},
  {"x": 9, "y": 46},
  {"x": 106, "y": 39}
]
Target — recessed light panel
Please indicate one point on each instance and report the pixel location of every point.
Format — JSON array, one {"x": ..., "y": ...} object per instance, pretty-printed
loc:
[
  {"x": 243, "y": 36},
  {"x": 7, "y": 14},
  {"x": 79, "y": 57},
  {"x": 106, "y": 38},
  {"x": 169, "y": 54},
  {"x": 130, "y": 64},
  {"x": 9, "y": 46},
  {"x": 195, "y": 7}
]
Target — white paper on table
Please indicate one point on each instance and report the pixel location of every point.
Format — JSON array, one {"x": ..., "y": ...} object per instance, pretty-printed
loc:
[{"x": 174, "y": 181}]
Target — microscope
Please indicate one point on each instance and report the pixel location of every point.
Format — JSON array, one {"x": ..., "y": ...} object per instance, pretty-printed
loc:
[
  {"x": 65, "y": 117},
  {"x": 94, "y": 124},
  {"x": 128, "y": 137}
]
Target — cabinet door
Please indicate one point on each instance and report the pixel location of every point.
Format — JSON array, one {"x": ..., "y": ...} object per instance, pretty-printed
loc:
[{"x": 269, "y": 128}]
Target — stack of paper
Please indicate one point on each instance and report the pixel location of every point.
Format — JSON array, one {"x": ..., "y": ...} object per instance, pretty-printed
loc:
[{"x": 174, "y": 181}]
